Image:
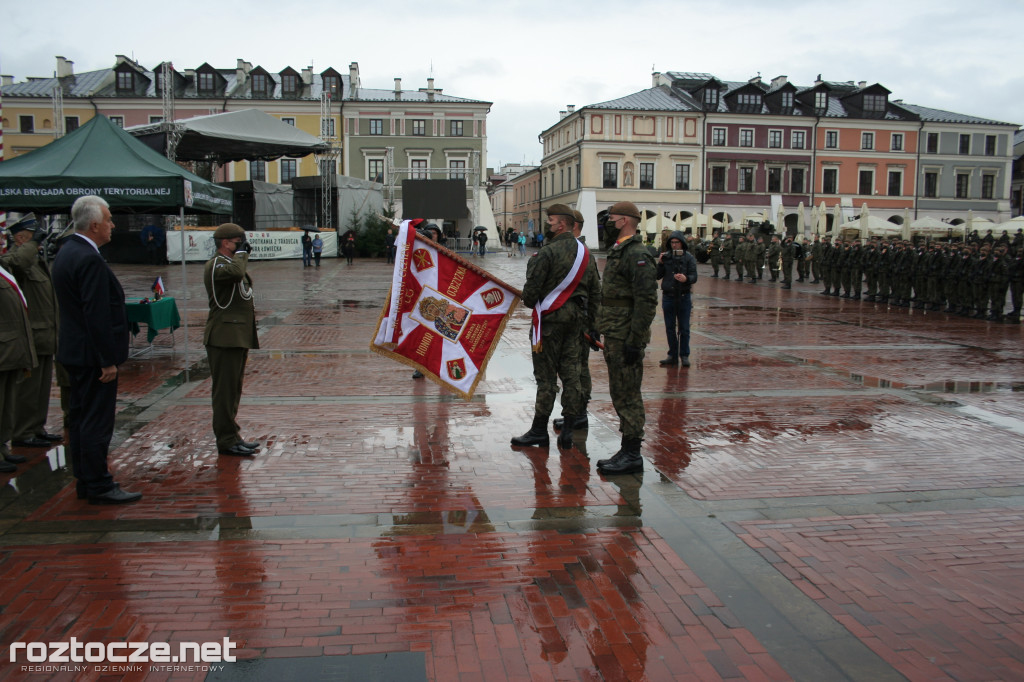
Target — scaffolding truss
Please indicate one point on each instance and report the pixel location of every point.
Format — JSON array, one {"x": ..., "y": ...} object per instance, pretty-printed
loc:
[{"x": 327, "y": 162}]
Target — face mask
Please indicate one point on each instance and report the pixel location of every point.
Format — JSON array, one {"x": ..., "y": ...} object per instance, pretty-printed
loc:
[{"x": 611, "y": 232}]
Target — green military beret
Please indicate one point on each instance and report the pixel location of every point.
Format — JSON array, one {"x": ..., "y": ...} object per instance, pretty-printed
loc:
[
  {"x": 626, "y": 208},
  {"x": 560, "y": 209},
  {"x": 228, "y": 231},
  {"x": 578, "y": 217}
]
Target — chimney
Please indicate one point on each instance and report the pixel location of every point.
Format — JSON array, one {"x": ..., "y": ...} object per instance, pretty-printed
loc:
[
  {"x": 654, "y": 79},
  {"x": 570, "y": 108},
  {"x": 862, "y": 84},
  {"x": 119, "y": 60},
  {"x": 756, "y": 80},
  {"x": 818, "y": 81},
  {"x": 779, "y": 81},
  {"x": 353, "y": 79},
  {"x": 6, "y": 80},
  {"x": 242, "y": 69},
  {"x": 190, "y": 75},
  {"x": 398, "y": 88},
  {"x": 561, "y": 115},
  {"x": 307, "y": 75},
  {"x": 65, "y": 67}
]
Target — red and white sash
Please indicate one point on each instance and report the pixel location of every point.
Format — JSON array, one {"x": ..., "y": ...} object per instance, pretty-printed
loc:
[
  {"x": 560, "y": 294},
  {"x": 10, "y": 278}
]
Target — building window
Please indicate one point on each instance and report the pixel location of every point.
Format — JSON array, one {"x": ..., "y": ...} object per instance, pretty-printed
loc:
[
  {"x": 775, "y": 180},
  {"x": 682, "y": 176},
  {"x": 830, "y": 181},
  {"x": 118, "y": 121},
  {"x": 327, "y": 167},
  {"x": 156, "y": 119},
  {"x": 787, "y": 100},
  {"x": 457, "y": 170},
  {"x": 874, "y": 103},
  {"x": 963, "y": 185},
  {"x": 419, "y": 169},
  {"x": 376, "y": 126},
  {"x": 419, "y": 127},
  {"x": 931, "y": 185},
  {"x": 125, "y": 80},
  {"x": 965, "y": 144},
  {"x": 895, "y": 183},
  {"x": 831, "y": 139},
  {"x": 775, "y": 139},
  {"x": 289, "y": 121},
  {"x": 867, "y": 140},
  {"x": 287, "y": 170},
  {"x": 711, "y": 98},
  {"x": 26, "y": 124},
  {"x": 375, "y": 170},
  {"x": 821, "y": 100},
  {"x": 561, "y": 180},
  {"x": 331, "y": 85},
  {"x": 259, "y": 85},
  {"x": 718, "y": 178},
  {"x": 258, "y": 170},
  {"x": 746, "y": 179},
  {"x": 646, "y": 176},
  {"x": 988, "y": 186},
  {"x": 796, "y": 181},
  {"x": 866, "y": 182},
  {"x": 746, "y": 137},
  {"x": 718, "y": 137},
  {"x": 455, "y": 128},
  {"x": 932, "y": 146},
  {"x": 570, "y": 176},
  {"x": 70, "y": 123},
  {"x": 289, "y": 84},
  {"x": 610, "y": 175},
  {"x": 205, "y": 83},
  {"x": 327, "y": 127},
  {"x": 749, "y": 99},
  {"x": 799, "y": 139},
  {"x": 897, "y": 142},
  {"x": 990, "y": 145}
]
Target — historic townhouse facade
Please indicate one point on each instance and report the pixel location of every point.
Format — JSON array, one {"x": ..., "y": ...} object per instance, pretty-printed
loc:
[
  {"x": 527, "y": 216},
  {"x": 383, "y": 135},
  {"x": 695, "y": 144}
]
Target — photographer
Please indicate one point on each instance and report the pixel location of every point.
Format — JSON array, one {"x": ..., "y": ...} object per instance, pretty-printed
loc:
[{"x": 677, "y": 270}]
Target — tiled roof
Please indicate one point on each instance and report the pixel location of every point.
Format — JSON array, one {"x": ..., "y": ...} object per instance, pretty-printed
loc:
[
  {"x": 78, "y": 85},
  {"x": 940, "y": 116},
  {"x": 653, "y": 99}
]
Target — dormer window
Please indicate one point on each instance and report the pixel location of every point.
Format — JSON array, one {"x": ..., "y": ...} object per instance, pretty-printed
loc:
[
  {"x": 259, "y": 84},
  {"x": 289, "y": 84},
  {"x": 874, "y": 103},
  {"x": 125, "y": 80},
  {"x": 331, "y": 85},
  {"x": 749, "y": 99},
  {"x": 206, "y": 82},
  {"x": 821, "y": 100},
  {"x": 787, "y": 100},
  {"x": 711, "y": 98}
]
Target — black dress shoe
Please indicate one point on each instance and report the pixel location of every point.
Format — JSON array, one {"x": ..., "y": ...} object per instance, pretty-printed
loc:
[
  {"x": 251, "y": 444},
  {"x": 52, "y": 437},
  {"x": 32, "y": 443},
  {"x": 668, "y": 362},
  {"x": 15, "y": 459},
  {"x": 685, "y": 361},
  {"x": 238, "y": 450},
  {"x": 115, "y": 496},
  {"x": 6, "y": 468}
]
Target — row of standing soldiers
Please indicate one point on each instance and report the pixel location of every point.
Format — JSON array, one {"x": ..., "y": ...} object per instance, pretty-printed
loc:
[
  {"x": 752, "y": 255},
  {"x": 968, "y": 279}
]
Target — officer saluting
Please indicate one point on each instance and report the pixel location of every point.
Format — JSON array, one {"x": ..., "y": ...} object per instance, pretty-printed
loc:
[{"x": 230, "y": 333}]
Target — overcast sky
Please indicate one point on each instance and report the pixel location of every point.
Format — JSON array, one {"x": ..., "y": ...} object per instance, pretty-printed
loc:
[{"x": 531, "y": 58}]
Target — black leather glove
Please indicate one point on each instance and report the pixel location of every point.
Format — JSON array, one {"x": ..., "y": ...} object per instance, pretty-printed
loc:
[
  {"x": 39, "y": 236},
  {"x": 595, "y": 338},
  {"x": 631, "y": 355},
  {"x": 245, "y": 246}
]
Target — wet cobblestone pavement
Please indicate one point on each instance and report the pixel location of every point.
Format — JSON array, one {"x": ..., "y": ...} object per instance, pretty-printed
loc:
[{"x": 834, "y": 490}]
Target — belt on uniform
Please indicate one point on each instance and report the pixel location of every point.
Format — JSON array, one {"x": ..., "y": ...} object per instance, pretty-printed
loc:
[{"x": 618, "y": 302}]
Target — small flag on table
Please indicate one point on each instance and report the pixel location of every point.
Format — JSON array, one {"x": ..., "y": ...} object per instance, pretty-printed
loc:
[
  {"x": 158, "y": 287},
  {"x": 444, "y": 315}
]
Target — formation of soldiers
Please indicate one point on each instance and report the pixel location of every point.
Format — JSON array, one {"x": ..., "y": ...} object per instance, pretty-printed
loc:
[{"x": 967, "y": 278}]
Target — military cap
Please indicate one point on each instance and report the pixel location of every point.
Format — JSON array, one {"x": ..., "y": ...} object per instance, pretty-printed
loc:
[
  {"x": 626, "y": 208},
  {"x": 26, "y": 222},
  {"x": 578, "y": 217},
  {"x": 560, "y": 209},
  {"x": 228, "y": 231}
]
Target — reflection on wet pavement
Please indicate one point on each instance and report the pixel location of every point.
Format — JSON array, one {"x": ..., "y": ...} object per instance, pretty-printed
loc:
[{"x": 833, "y": 491}]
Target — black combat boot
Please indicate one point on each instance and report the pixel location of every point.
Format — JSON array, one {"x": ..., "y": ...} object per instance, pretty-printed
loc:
[
  {"x": 557, "y": 423},
  {"x": 537, "y": 435},
  {"x": 565, "y": 435},
  {"x": 581, "y": 422},
  {"x": 626, "y": 461},
  {"x": 787, "y": 285}
]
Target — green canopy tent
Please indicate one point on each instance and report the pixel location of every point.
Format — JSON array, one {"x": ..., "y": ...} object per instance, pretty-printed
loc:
[{"x": 99, "y": 158}]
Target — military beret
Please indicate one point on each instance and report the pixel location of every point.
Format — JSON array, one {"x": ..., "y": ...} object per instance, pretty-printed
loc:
[
  {"x": 626, "y": 208},
  {"x": 26, "y": 222},
  {"x": 228, "y": 231},
  {"x": 578, "y": 217},
  {"x": 560, "y": 209}
]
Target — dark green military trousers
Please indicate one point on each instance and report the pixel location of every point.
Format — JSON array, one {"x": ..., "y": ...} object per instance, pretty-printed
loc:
[
  {"x": 227, "y": 370},
  {"x": 558, "y": 360}
]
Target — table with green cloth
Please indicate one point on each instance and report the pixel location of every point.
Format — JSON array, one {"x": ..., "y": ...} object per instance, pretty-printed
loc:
[{"x": 157, "y": 315}]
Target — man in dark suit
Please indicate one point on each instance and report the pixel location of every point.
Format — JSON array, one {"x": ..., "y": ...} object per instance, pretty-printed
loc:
[
  {"x": 229, "y": 334},
  {"x": 93, "y": 341}
]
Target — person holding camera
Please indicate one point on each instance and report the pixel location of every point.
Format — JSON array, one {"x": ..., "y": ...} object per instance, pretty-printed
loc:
[
  {"x": 229, "y": 334},
  {"x": 677, "y": 270}
]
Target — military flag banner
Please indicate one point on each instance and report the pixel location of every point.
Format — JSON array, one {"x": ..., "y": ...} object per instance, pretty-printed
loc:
[{"x": 444, "y": 315}]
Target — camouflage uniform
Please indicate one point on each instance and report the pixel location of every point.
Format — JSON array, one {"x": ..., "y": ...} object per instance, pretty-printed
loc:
[
  {"x": 739, "y": 254},
  {"x": 817, "y": 251},
  {"x": 773, "y": 256},
  {"x": 727, "y": 247},
  {"x": 629, "y": 299},
  {"x": 803, "y": 263},
  {"x": 789, "y": 251}
]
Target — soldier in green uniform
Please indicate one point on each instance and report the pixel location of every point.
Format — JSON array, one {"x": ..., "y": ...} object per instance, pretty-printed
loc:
[
  {"x": 774, "y": 257},
  {"x": 750, "y": 256},
  {"x": 628, "y": 303},
  {"x": 739, "y": 254},
  {"x": 556, "y": 344},
  {"x": 230, "y": 333},
  {"x": 998, "y": 283},
  {"x": 803, "y": 261},
  {"x": 1015, "y": 267},
  {"x": 790, "y": 251},
  {"x": 17, "y": 358},
  {"x": 815, "y": 258},
  {"x": 592, "y": 282},
  {"x": 762, "y": 254},
  {"x": 869, "y": 264},
  {"x": 883, "y": 269},
  {"x": 28, "y": 266}
]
